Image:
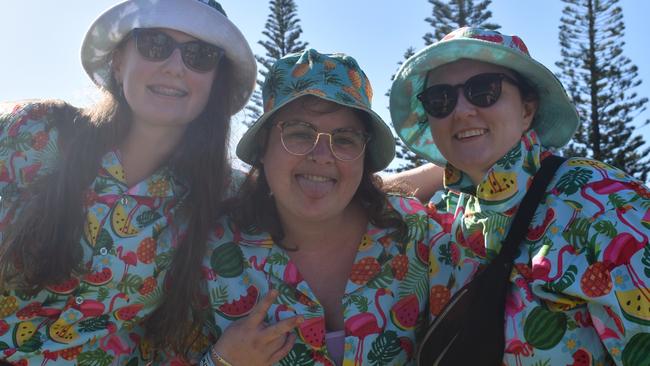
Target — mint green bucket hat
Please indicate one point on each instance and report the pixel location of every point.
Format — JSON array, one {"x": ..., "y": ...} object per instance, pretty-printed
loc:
[
  {"x": 334, "y": 77},
  {"x": 555, "y": 121}
]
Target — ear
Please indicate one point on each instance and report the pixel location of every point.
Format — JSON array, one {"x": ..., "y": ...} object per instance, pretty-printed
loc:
[{"x": 528, "y": 113}]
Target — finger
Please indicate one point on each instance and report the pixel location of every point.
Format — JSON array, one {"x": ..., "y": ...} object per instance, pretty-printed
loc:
[
  {"x": 258, "y": 313},
  {"x": 281, "y": 328},
  {"x": 284, "y": 350}
]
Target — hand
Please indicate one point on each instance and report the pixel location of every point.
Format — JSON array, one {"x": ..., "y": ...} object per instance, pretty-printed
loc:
[{"x": 252, "y": 342}]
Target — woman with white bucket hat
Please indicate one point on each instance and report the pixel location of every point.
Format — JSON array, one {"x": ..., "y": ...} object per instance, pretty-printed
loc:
[{"x": 105, "y": 211}]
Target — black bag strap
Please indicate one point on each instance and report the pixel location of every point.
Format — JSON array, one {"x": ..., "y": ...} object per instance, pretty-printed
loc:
[
  {"x": 449, "y": 333},
  {"x": 528, "y": 206}
]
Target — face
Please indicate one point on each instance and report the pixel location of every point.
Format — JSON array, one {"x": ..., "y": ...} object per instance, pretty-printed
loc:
[
  {"x": 162, "y": 93},
  {"x": 473, "y": 138},
  {"x": 315, "y": 186}
]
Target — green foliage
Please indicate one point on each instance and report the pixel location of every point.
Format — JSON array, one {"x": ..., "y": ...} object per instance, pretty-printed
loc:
[
  {"x": 152, "y": 299},
  {"x": 383, "y": 279},
  {"x": 416, "y": 279},
  {"x": 130, "y": 284},
  {"x": 571, "y": 182},
  {"x": 606, "y": 228},
  {"x": 601, "y": 82},
  {"x": 299, "y": 355},
  {"x": 510, "y": 158},
  {"x": 646, "y": 261},
  {"x": 94, "y": 324},
  {"x": 218, "y": 296},
  {"x": 98, "y": 357},
  {"x": 147, "y": 218},
  {"x": 277, "y": 258},
  {"x": 567, "y": 279},
  {"x": 384, "y": 348},
  {"x": 578, "y": 232},
  {"x": 282, "y": 31},
  {"x": 451, "y": 14},
  {"x": 360, "y": 302}
]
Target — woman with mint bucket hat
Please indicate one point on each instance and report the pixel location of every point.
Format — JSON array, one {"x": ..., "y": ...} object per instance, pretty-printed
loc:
[
  {"x": 579, "y": 290},
  {"x": 311, "y": 237},
  {"x": 101, "y": 206}
]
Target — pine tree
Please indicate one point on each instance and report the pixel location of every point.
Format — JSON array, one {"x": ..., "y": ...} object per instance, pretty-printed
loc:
[
  {"x": 447, "y": 16},
  {"x": 601, "y": 80},
  {"x": 450, "y": 15},
  {"x": 282, "y": 30}
]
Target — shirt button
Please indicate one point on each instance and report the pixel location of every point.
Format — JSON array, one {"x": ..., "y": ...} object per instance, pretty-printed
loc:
[
  {"x": 103, "y": 251},
  {"x": 124, "y": 201},
  {"x": 79, "y": 300}
]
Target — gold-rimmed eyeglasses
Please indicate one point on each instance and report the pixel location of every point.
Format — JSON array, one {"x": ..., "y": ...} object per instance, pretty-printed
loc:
[{"x": 300, "y": 138}]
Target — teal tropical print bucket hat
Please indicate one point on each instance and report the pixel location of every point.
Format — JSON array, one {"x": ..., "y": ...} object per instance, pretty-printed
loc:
[
  {"x": 555, "y": 121},
  {"x": 334, "y": 77}
]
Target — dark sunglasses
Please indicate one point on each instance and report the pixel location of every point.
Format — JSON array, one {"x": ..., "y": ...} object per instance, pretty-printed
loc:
[
  {"x": 154, "y": 45},
  {"x": 482, "y": 90}
]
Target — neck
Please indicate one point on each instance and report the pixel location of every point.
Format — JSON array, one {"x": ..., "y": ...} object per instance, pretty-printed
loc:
[
  {"x": 326, "y": 235},
  {"x": 146, "y": 148}
]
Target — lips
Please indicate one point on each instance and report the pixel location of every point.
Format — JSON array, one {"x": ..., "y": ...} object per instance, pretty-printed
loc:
[
  {"x": 474, "y": 132},
  {"x": 167, "y": 91},
  {"x": 315, "y": 186}
]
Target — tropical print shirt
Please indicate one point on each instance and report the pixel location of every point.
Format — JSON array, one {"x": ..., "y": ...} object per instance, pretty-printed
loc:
[
  {"x": 385, "y": 300},
  {"x": 579, "y": 291},
  {"x": 128, "y": 242}
]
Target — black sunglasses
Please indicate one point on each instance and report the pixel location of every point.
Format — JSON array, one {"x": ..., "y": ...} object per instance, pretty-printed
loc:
[
  {"x": 155, "y": 45},
  {"x": 482, "y": 90}
]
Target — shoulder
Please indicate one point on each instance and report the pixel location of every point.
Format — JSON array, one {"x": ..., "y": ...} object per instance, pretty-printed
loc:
[
  {"x": 598, "y": 190},
  {"x": 405, "y": 205},
  {"x": 22, "y": 114},
  {"x": 29, "y": 138},
  {"x": 578, "y": 175},
  {"x": 32, "y": 124}
]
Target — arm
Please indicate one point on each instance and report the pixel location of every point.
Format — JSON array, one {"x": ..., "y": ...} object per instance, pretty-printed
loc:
[
  {"x": 610, "y": 266},
  {"x": 422, "y": 182}
]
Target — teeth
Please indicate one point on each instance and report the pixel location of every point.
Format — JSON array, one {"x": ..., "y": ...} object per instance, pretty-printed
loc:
[
  {"x": 171, "y": 92},
  {"x": 316, "y": 178},
  {"x": 470, "y": 133}
]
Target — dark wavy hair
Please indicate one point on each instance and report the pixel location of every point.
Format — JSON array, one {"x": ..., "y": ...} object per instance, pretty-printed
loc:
[
  {"x": 253, "y": 208},
  {"x": 40, "y": 250}
]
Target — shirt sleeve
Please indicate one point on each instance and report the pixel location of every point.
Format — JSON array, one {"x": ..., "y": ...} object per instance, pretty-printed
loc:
[
  {"x": 603, "y": 253},
  {"x": 28, "y": 145}
]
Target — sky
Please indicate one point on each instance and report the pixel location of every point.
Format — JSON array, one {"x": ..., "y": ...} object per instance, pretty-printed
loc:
[{"x": 40, "y": 40}]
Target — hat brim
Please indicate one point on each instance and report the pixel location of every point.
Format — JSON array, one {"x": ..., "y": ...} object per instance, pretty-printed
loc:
[
  {"x": 188, "y": 16},
  {"x": 380, "y": 147},
  {"x": 555, "y": 121}
]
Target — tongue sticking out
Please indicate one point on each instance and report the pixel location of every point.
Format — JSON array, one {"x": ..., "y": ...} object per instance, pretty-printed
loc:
[{"x": 315, "y": 187}]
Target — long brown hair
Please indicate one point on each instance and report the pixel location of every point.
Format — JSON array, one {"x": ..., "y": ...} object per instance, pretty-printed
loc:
[{"x": 40, "y": 250}]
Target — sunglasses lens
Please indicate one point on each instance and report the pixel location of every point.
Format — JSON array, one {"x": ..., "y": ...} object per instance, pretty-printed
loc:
[
  {"x": 199, "y": 56},
  {"x": 439, "y": 100},
  {"x": 154, "y": 45},
  {"x": 483, "y": 90}
]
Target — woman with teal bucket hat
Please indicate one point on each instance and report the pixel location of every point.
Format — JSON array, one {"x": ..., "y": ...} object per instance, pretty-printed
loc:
[
  {"x": 578, "y": 293},
  {"x": 343, "y": 265}
]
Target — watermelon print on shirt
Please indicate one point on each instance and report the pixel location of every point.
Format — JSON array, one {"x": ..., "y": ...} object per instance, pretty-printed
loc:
[
  {"x": 385, "y": 300},
  {"x": 128, "y": 242},
  {"x": 580, "y": 289}
]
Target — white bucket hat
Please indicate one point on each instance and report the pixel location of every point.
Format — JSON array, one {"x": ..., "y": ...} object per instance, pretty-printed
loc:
[{"x": 203, "y": 19}]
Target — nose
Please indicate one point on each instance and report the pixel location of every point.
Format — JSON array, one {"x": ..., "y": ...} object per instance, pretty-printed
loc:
[
  {"x": 463, "y": 107},
  {"x": 174, "y": 64},
  {"x": 322, "y": 152}
]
